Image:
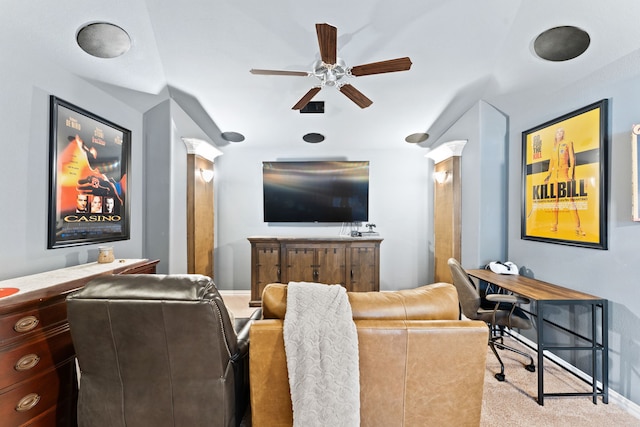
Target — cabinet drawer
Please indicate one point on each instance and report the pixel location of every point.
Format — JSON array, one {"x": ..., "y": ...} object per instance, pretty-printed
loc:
[
  {"x": 38, "y": 355},
  {"x": 32, "y": 320},
  {"x": 34, "y": 397}
]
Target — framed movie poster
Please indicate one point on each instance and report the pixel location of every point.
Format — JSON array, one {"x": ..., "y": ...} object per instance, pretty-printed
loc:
[
  {"x": 89, "y": 170},
  {"x": 564, "y": 179}
]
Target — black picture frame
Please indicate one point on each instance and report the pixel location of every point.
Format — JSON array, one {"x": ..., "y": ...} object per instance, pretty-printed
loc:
[
  {"x": 565, "y": 179},
  {"x": 635, "y": 173},
  {"x": 89, "y": 170}
]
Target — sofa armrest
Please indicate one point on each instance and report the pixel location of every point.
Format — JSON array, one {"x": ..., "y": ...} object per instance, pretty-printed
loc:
[{"x": 243, "y": 333}]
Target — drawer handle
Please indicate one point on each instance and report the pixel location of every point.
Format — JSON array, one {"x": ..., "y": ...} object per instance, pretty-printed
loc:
[
  {"x": 26, "y": 324},
  {"x": 28, "y": 402},
  {"x": 27, "y": 362}
]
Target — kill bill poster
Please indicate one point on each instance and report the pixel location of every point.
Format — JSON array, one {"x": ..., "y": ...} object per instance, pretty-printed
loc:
[
  {"x": 564, "y": 179},
  {"x": 89, "y": 173}
]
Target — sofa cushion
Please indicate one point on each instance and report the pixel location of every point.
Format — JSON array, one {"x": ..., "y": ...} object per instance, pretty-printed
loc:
[{"x": 437, "y": 301}]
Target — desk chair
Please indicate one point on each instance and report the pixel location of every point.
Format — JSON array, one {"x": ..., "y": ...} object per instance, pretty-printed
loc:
[
  {"x": 158, "y": 350},
  {"x": 499, "y": 311}
]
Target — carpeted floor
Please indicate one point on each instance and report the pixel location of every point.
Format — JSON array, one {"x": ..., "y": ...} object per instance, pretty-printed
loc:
[{"x": 513, "y": 402}]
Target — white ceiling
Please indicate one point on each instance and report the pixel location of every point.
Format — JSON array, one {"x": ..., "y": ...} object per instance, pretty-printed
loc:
[{"x": 200, "y": 52}]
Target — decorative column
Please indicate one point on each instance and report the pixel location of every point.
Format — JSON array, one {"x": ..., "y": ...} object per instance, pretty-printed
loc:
[
  {"x": 447, "y": 206},
  {"x": 200, "y": 207}
]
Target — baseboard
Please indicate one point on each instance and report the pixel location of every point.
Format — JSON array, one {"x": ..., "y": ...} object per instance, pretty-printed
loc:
[{"x": 614, "y": 397}]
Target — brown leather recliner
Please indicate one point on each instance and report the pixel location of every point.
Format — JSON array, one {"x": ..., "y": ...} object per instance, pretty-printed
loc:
[
  {"x": 157, "y": 350},
  {"x": 419, "y": 364}
]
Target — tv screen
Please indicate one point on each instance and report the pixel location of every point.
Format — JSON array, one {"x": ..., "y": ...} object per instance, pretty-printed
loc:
[{"x": 316, "y": 191}]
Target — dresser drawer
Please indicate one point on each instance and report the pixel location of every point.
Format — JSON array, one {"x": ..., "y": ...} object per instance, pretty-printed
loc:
[
  {"x": 62, "y": 415},
  {"x": 34, "y": 397},
  {"x": 32, "y": 320},
  {"x": 40, "y": 354}
]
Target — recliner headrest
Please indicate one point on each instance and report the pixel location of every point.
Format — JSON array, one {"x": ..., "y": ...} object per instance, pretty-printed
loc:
[{"x": 184, "y": 287}]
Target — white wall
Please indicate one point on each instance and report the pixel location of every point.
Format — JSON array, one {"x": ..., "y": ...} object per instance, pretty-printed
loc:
[{"x": 399, "y": 204}]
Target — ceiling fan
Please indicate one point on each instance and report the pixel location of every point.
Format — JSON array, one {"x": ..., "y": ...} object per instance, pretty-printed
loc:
[{"x": 332, "y": 71}]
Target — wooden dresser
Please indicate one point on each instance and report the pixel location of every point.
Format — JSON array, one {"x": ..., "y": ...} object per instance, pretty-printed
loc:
[
  {"x": 38, "y": 382},
  {"x": 353, "y": 262}
]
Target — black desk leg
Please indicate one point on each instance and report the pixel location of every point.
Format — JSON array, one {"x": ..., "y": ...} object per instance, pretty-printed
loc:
[
  {"x": 540, "y": 333},
  {"x": 594, "y": 353},
  {"x": 605, "y": 351}
]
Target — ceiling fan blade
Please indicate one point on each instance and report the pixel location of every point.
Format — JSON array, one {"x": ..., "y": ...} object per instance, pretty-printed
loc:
[
  {"x": 278, "y": 72},
  {"x": 389, "y": 66},
  {"x": 306, "y": 98},
  {"x": 355, "y": 95},
  {"x": 328, "y": 41}
]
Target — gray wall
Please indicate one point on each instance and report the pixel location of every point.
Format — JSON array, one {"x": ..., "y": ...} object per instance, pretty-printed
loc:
[
  {"x": 400, "y": 195},
  {"x": 400, "y": 200},
  {"x": 484, "y": 183},
  {"x": 24, "y": 163},
  {"x": 611, "y": 273},
  {"x": 165, "y": 156}
]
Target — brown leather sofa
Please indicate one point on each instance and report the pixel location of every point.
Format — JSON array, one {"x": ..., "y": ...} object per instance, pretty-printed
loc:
[
  {"x": 419, "y": 364},
  {"x": 158, "y": 350}
]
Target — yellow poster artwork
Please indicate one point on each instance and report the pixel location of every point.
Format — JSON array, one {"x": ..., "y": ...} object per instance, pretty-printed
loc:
[{"x": 564, "y": 191}]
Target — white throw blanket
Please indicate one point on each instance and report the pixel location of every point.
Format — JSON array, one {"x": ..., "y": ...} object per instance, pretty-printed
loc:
[{"x": 321, "y": 345}]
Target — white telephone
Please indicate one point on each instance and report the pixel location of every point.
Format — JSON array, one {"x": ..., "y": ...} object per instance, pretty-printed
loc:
[{"x": 503, "y": 267}]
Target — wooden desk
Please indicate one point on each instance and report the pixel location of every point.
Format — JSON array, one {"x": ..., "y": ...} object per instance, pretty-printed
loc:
[{"x": 545, "y": 294}]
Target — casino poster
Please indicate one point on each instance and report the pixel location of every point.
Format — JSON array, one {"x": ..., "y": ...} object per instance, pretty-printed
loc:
[
  {"x": 562, "y": 180},
  {"x": 89, "y": 178}
]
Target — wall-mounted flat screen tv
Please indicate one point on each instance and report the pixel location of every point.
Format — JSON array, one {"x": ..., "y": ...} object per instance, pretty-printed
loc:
[{"x": 316, "y": 191}]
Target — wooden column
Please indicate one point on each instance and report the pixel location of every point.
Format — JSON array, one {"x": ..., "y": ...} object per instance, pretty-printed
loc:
[
  {"x": 447, "y": 207},
  {"x": 199, "y": 215}
]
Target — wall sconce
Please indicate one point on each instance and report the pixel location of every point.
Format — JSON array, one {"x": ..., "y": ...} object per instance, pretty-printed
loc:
[
  {"x": 206, "y": 175},
  {"x": 441, "y": 176}
]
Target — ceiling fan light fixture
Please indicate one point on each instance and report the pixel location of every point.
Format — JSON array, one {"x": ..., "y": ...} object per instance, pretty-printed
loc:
[
  {"x": 331, "y": 70},
  {"x": 330, "y": 74},
  {"x": 103, "y": 40}
]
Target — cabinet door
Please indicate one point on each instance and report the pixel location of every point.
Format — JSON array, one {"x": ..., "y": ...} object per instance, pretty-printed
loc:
[
  {"x": 301, "y": 265},
  {"x": 331, "y": 265},
  {"x": 266, "y": 268},
  {"x": 363, "y": 274}
]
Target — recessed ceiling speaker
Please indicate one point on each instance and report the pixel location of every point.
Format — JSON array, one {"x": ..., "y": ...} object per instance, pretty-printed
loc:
[
  {"x": 415, "y": 138},
  {"x": 103, "y": 40},
  {"x": 232, "y": 136},
  {"x": 561, "y": 43},
  {"x": 313, "y": 138}
]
